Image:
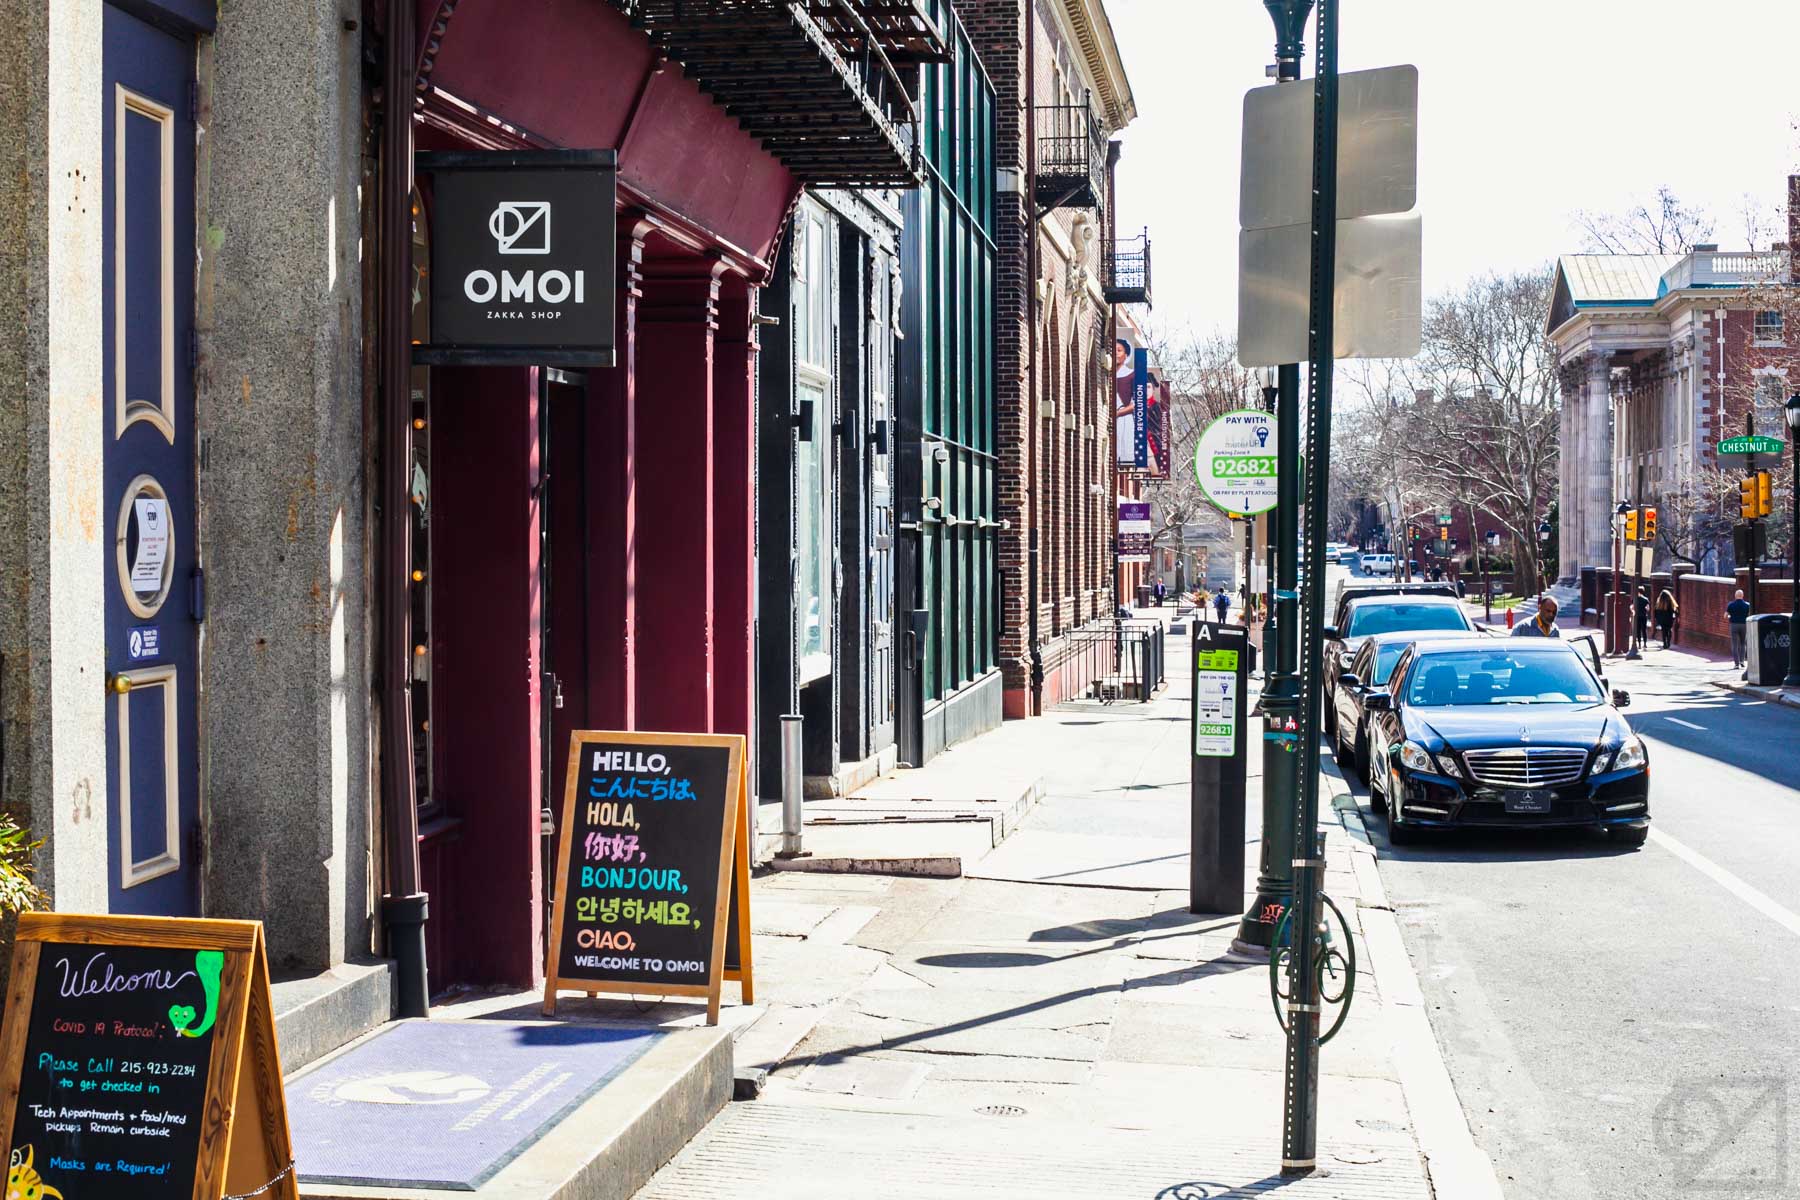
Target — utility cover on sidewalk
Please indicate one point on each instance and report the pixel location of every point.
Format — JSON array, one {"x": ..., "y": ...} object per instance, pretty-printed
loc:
[{"x": 446, "y": 1104}]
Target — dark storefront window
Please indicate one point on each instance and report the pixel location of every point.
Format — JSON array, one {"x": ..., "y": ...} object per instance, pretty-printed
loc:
[{"x": 949, "y": 247}]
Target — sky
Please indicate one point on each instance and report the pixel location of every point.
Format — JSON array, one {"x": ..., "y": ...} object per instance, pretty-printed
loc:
[{"x": 1529, "y": 111}]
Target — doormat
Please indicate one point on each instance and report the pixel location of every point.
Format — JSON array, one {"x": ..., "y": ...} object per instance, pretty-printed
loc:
[{"x": 447, "y": 1104}]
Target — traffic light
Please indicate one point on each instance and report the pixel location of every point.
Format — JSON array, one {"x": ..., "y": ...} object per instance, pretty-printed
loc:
[
  {"x": 1747, "y": 499},
  {"x": 1631, "y": 526},
  {"x": 1764, "y": 494},
  {"x": 1649, "y": 524}
]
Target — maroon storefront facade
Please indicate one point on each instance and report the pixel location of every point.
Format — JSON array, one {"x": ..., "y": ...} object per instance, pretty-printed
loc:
[{"x": 586, "y": 556}]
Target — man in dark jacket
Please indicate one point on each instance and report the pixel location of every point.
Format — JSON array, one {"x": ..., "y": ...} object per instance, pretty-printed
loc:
[{"x": 1738, "y": 613}]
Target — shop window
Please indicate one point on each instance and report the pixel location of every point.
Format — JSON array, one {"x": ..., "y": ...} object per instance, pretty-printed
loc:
[{"x": 813, "y": 295}]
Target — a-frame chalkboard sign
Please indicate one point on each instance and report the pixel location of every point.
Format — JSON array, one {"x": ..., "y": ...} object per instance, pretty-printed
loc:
[
  {"x": 138, "y": 1062},
  {"x": 654, "y": 845}
]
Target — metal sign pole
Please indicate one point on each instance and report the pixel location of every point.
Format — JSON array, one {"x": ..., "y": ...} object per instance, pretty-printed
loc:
[{"x": 1300, "y": 1122}]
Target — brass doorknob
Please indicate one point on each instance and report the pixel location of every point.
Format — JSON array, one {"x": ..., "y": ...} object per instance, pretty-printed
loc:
[{"x": 120, "y": 684}]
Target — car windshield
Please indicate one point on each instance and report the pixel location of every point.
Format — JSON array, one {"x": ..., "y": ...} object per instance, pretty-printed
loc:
[
  {"x": 1402, "y": 618},
  {"x": 1493, "y": 677}
]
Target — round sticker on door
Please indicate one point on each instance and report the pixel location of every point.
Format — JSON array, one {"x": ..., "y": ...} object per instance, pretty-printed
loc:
[
  {"x": 1234, "y": 462},
  {"x": 146, "y": 546}
]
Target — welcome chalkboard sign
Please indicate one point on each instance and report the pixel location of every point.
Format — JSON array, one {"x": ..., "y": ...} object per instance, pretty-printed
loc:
[
  {"x": 645, "y": 867},
  {"x": 140, "y": 1062}
]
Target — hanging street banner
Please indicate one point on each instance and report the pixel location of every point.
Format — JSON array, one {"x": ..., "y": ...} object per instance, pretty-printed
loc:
[
  {"x": 1135, "y": 531},
  {"x": 1159, "y": 406},
  {"x": 1234, "y": 462},
  {"x": 1131, "y": 387},
  {"x": 522, "y": 246},
  {"x": 1755, "y": 444}
]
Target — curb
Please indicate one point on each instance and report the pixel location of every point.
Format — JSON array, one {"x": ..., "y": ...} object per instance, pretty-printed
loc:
[
  {"x": 1774, "y": 695},
  {"x": 1455, "y": 1165}
]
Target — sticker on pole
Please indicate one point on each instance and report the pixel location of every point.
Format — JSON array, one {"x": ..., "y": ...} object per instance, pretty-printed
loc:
[
  {"x": 1215, "y": 704},
  {"x": 1234, "y": 462}
]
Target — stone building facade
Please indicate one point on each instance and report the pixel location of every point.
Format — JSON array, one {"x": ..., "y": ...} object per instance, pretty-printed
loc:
[{"x": 1661, "y": 356}]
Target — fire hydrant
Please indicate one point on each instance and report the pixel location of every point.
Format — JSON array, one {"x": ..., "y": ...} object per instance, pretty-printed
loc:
[{"x": 1509, "y": 617}]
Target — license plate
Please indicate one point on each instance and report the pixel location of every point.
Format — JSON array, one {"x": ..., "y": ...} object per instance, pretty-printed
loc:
[{"x": 1529, "y": 802}]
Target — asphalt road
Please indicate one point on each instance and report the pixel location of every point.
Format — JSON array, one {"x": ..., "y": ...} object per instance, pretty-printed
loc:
[{"x": 1625, "y": 1023}]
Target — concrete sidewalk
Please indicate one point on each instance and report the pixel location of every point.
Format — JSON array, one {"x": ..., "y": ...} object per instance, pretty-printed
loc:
[{"x": 1057, "y": 1024}]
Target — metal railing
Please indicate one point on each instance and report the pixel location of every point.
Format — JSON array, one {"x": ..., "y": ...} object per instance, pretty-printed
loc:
[
  {"x": 1071, "y": 156},
  {"x": 1112, "y": 659},
  {"x": 1127, "y": 270},
  {"x": 1729, "y": 268}
]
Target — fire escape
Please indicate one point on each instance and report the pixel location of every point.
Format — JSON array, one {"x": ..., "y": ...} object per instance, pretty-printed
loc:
[
  {"x": 1071, "y": 157},
  {"x": 828, "y": 86}
]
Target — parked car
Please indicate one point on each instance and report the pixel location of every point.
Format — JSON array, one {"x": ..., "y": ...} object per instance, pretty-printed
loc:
[
  {"x": 1378, "y": 564},
  {"x": 1367, "y": 673},
  {"x": 1349, "y": 589},
  {"x": 1506, "y": 733},
  {"x": 1362, "y": 616}
]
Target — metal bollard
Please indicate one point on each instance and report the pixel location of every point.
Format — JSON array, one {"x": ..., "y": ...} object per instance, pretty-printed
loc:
[{"x": 793, "y": 813}]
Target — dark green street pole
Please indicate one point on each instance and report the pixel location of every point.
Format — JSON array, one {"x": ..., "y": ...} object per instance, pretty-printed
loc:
[
  {"x": 1281, "y": 684},
  {"x": 1301, "y": 1085}
]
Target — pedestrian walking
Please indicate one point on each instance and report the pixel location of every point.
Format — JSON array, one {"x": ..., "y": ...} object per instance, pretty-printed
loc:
[
  {"x": 1222, "y": 604},
  {"x": 1158, "y": 589},
  {"x": 1738, "y": 613},
  {"x": 1666, "y": 613},
  {"x": 1544, "y": 624},
  {"x": 1640, "y": 605}
]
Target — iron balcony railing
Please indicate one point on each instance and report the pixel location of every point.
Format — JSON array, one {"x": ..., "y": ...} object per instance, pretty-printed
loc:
[
  {"x": 812, "y": 80},
  {"x": 1127, "y": 271},
  {"x": 1071, "y": 157}
]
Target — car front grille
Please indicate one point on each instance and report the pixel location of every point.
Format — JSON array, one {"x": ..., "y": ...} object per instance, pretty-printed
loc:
[{"x": 1526, "y": 766}]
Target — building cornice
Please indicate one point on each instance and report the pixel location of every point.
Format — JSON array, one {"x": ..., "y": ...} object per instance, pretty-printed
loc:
[{"x": 1093, "y": 32}]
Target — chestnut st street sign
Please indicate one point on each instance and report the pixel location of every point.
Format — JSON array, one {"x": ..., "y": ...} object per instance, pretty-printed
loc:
[
  {"x": 522, "y": 251},
  {"x": 1757, "y": 444}
]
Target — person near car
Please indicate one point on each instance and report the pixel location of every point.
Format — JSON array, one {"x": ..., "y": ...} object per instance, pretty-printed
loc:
[
  {"x": 1222, "y": 604},
  {"x": 1738, "y": 613},
  {"x": 1666, "y": 613},
  {"x": 1542, "y": 625}
]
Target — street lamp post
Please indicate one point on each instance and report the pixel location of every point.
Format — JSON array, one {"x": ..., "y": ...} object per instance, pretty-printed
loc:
[
  {"x": 1612, "y": 609},
  {"x": 1792, "y": 412},
  {"x": 1492, "y": 538}
]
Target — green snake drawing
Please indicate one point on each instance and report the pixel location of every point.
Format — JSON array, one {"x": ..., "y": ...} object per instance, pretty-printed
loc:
[{"x": 209, "y": 965}]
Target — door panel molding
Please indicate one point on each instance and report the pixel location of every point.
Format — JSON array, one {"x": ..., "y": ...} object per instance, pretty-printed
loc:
[
  {"x": 133, "y": 871},
  {"x": 158, "y": 412}
]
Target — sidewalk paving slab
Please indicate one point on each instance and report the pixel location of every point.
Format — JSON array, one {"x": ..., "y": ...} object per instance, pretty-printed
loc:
[{"x": 1022, "y": 1035}]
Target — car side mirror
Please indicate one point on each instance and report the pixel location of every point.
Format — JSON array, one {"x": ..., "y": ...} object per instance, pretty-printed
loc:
[
  {"x": 1379, "y": 702},
  {"x": 1621, "y": 698},
  {"x": 1349, "y": 679},
  {"x": 1329, "y": 632}
]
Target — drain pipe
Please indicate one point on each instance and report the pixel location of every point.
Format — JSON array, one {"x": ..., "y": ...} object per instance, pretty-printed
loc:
[
  {"x": 1031, "y": 342},
  {"x": 403, "y": 908}
]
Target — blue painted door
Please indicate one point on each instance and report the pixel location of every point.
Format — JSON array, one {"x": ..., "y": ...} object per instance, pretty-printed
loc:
[{"x": 153, "y": 590}]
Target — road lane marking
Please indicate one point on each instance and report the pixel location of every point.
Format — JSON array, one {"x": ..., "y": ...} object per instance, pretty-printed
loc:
[
  {"x": 1761, "y": 902},
  {"x": 1687, "y": 724}
]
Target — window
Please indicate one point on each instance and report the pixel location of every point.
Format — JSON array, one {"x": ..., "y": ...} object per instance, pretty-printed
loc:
[
  {"x": 816, "y": 590},
  {"x": 1366, "y": 619},
  {"x": 1768, "y": 328},
  {"x": 1497, "y": 677}
]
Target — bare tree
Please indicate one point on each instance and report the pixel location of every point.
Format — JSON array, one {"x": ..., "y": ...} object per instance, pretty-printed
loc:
[
  {"x": 1661, "y": 226},
  {"x": 1698, "y": 509}
]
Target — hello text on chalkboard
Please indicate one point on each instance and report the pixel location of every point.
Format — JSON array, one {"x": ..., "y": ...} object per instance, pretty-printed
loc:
[
  {"x": 140, "y": 1062},
  {"x": 653, "y": 838}
]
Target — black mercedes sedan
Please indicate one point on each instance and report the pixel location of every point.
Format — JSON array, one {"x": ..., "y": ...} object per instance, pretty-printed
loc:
[{"x": 1504, "y": 734}]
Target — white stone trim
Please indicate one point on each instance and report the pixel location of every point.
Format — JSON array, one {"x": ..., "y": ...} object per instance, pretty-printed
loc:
[{"x": 133, "y": 871}]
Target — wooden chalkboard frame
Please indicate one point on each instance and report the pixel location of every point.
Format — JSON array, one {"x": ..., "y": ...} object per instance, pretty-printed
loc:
[
  {"x": 734, "y": 875},
  {"x": 244, "y": 1139}
]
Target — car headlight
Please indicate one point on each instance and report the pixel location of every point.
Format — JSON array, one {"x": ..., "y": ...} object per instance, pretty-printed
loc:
[
  {"x": 1631, "y": 755},
  {"x": 1413, "y": 757},
  {"x": 1447, "y": 761}
]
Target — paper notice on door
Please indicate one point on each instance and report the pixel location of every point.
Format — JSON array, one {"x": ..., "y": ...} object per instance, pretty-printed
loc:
[{"x": 152, "y": 545}]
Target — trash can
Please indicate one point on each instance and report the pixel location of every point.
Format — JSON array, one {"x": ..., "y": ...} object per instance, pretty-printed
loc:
[
  {"x": 1770, "y": 644},
  {"x": 1143, "y": 595}
]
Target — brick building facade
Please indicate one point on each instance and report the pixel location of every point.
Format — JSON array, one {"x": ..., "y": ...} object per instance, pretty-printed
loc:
[{"x": 1061, "y": 94}]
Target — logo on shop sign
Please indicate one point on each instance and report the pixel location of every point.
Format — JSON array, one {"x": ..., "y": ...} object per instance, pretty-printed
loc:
[{"x": 521, "y": 226}]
